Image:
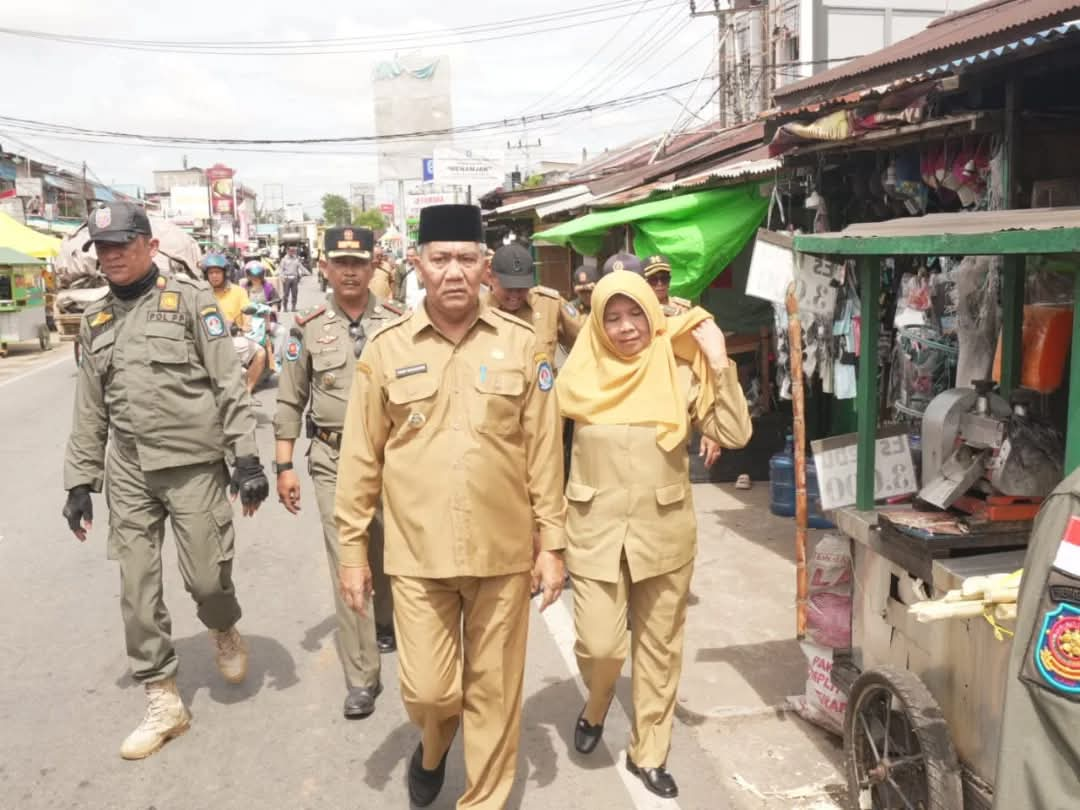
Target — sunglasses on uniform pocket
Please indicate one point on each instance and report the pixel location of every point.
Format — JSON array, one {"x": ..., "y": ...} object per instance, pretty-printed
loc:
[{"x": 359, "y": 338}]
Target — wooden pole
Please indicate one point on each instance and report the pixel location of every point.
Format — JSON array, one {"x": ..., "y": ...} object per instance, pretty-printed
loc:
[{"x": 795, "y": 351}]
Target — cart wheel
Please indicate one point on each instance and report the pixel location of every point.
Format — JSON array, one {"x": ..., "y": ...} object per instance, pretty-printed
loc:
[
  {"x": 897, "y": 746},
  {"x": 43, "y": 338}
]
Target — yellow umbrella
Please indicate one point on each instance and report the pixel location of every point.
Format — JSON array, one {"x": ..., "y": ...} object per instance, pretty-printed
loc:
[{"x": 18, "y": 237}]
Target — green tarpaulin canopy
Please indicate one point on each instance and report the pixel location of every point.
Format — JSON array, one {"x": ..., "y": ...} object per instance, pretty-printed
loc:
[{"x": 700, "y": 232}]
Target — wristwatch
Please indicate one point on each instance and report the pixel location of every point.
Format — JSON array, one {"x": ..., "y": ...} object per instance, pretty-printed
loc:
[{"x": 280, "y": 468}]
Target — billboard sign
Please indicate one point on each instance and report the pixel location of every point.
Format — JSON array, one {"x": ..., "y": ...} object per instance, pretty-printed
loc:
[
  {"x": 466, "y": 167},
  {"x": 428, "y": 171},
  {"x": 414, "y": 203},
  {"x": 412, "y": 94},
  {"x": 220, "y": 179},
  {"x": 189, "y": 203},
  {"x": 28, "y": 187}
]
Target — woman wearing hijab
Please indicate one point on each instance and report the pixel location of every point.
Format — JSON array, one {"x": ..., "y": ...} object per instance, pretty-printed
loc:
[{"x": 634, "y": 383}]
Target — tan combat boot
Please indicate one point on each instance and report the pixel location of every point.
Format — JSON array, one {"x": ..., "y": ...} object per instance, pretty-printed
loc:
[
  {"x": 232, "y": 654},
  {"x": 166, "y": 717}
]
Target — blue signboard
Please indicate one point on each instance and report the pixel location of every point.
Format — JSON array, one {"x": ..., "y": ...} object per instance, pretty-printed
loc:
[{"x": 429, "y": 170}]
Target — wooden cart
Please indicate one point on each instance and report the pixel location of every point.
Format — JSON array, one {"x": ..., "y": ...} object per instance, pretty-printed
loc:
[
  {"x": 925, "y": 701},
  {"x": 22, "y": 300}
]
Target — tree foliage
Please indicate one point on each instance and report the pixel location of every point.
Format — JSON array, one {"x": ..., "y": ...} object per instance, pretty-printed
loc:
[
  {"x": 372, "y": 218},
  {"x": 336, "y": 209}
]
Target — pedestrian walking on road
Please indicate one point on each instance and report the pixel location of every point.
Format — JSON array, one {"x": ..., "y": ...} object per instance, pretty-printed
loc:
[
  {"x": 320, "y": 358},
  {"x": 158, "y": 403},
  {"x": 291, "y": 269},
  {"x": 459, "y": 391},
  {"x": 634, "y": 383}
]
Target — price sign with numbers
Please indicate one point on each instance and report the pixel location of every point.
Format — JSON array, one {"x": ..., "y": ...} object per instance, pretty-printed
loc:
[
  {"x": 836, "y": 461},
  {"x": 775, "y": 265}
]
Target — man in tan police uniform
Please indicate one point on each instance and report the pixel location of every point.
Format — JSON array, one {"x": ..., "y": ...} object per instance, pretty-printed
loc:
[
  {"x": 382, "y": 279},
  {"x": 319, "y": 363},
  {"x": 461, "y": 388},
  {"x": 657, "y": 270},
  {"x": 158, "y": 403},
  {"x": 585, "y": 278},
  {"x": 514, "y": 290}
]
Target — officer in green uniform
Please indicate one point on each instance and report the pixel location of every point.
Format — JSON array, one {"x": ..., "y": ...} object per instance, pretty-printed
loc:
[
  {"x": 1039, "y": 761},
  {"x": 320, "y": 357},
  {"x": 159, "y": 402}
]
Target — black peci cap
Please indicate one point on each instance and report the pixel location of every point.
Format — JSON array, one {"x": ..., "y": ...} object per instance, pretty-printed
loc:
[{"x": 451, "y": 223}]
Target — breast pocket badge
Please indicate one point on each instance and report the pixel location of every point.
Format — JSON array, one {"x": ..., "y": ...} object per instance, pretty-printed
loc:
[{"x": 1057, "y": 652}]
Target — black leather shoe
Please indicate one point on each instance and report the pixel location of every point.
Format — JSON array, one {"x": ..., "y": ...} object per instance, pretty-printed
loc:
[
  {"x": 656, "y": 780},
  {"x": 586, "y": 735},
  {"x": 360, "y": 702},
  {"x": 384, "y": 638},
  {"x": 424, "y": 786}
]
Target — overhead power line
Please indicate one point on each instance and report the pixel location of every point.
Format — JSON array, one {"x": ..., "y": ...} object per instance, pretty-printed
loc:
[
  {"x": 46, "y": 128},
  {"x": 484, "y": 32}
]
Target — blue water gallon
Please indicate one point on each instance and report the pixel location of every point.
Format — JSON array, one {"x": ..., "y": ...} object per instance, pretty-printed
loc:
[{"x": 782, "y": 487}]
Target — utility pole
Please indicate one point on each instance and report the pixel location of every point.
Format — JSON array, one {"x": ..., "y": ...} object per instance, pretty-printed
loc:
[
  {"x": 85, "y": 191},
  {"x": 722, "y": 16},
  {"x": 523, "y": 145},
  {"x": 766, "y": 55}
]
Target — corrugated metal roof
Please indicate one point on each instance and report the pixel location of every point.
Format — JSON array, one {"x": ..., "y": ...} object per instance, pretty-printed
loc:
[
  {"x": 966, "y": 223},
  {"x": 983, "y": 27},
  {"x": 543, "y": 199}
]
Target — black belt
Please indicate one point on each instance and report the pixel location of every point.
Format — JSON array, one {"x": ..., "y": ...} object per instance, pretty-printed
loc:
[{"x": 330, "y": 437}]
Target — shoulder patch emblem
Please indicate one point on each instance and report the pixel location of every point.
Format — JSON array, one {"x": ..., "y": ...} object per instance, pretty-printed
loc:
[
  {"x": 213, "y": 322},
  {"x": 293, "y": 348},
  {"x": 390, "y": 307},
  {"x": 169, "y": 302},
  {"x": 1057, "y": 652},
  {"x": 571, "y": 310},
  {"x": 160, "y": 283},
  {"x": 545, "y": 376}
]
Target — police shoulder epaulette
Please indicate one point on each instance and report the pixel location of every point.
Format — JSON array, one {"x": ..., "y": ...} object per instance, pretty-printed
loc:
[
  {"x": 183, "y": 278},
  {"x": 681, "y": 302},
  {"x": 391, "y": 307},
  {"x": 311, "y": 314},
  {"x": 514, "y": 319},
  {"x": 547, "y": 291}
]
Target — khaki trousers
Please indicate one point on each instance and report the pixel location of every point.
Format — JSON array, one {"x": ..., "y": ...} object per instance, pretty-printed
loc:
[
  {"x": 194, "y": 500},
  {"x": 356, "y": 634},
  {"x": 658, "y": 616},
  {"x": 461, "y": 654}
]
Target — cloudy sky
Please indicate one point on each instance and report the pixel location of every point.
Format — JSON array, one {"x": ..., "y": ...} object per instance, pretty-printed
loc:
[{"x": 636, "y": 47}]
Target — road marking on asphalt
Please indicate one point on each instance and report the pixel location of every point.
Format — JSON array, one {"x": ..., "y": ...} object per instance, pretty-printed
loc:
[
  {"x": 561, "y": 627},
  {"x": 36, "y": 369}
]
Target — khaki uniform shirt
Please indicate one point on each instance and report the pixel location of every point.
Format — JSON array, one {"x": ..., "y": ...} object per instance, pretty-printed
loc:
[
  {"x": 319, "y": 365},
  {"x": 464, "y": 443},
  {"x": 161, "y": 372},
  {"x": 677, "y": 306},
  {"x": 628, "y": 496},
  {"x": 1039, "y": 760},
  {"x": 555, "y": 321},
  {"x": 382, "y": 282}
]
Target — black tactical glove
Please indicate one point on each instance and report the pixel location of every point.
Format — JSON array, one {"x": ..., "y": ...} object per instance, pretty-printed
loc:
[
  {"x": 249, "y": 480},
  {"x": 78, "y": 507}
]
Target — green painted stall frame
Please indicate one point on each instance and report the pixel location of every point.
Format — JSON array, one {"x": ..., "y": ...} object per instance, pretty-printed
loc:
[{"x": 1015, "y": 233}]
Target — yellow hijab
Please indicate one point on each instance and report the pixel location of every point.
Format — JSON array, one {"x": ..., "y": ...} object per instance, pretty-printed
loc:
[{"x": 598, "y": 386}]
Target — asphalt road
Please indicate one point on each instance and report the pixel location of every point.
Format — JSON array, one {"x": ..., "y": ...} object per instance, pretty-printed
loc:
[{"x": 277, "y": 741}]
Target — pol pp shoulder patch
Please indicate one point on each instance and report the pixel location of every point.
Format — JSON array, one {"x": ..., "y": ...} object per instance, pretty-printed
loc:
[
  {"x": 213, "y": 322},
  {"x": 545, "y": 377},
  {"x": 292, "y": 349}
]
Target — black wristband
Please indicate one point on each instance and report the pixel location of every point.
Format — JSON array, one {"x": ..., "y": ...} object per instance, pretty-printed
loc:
[{"x": 280, "y": 468}]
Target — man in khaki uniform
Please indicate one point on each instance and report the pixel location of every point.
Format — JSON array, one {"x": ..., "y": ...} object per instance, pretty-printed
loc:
[
  {"x": 1039, "y": 761},
  {"x": 459, "y": 388},
  {"x": 382, "y": 279},
  {"x": 657, "y": 270},
  {"x": 158, "y": 403},
  {"x": 319, "y": 358},
  {"x": 514, "y": 290}
]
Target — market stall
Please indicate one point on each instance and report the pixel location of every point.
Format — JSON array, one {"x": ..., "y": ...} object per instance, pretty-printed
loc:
[
  {"x": 925, "y": 697},
  {"x": 22, "y": 300}
]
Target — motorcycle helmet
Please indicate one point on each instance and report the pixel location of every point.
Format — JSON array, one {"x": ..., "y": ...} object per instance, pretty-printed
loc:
[{"x": 255, "y": 269}]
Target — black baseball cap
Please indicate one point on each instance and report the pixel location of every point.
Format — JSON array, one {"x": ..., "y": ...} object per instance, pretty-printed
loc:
[
  {"x": 348, "y": 241},
  {"x": 622, "y": 261},
  {"x": 513, "y": 266},
  {"x": 117, "y": 223},
  {"x": 585, "y": 277}
]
